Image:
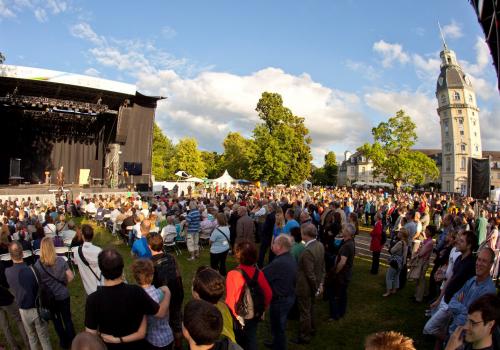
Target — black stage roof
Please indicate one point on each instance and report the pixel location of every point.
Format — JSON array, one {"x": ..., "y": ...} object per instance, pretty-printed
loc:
[{"x": 488, "y": 14}]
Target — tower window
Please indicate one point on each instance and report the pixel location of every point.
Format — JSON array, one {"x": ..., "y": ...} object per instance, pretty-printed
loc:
[
  {"x": 449, "y": 60},
  {"x": 473, "y": 122},
  {"x": 462, "y": 147},
  {"x": 473, "y": 113},
  {"x": 460, "y": 121},
  {"x": 459, "y": 112},
  {"x": 470, "y": 98},
  {"x": 477, "y": 148},
  {"x": 462, "y": 163},
  {"x": 448, "y": 163},
  {"x": 475, "y": 133},
  {"x": 456, "y": 96},
  {"x": 461, "y": 132},
  {"x": 443, "y": 99},
  {"x": 447, "y": 147}
]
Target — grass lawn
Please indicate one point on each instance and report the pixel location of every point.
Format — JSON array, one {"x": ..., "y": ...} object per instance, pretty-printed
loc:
[{"x": 367, "y": 311}]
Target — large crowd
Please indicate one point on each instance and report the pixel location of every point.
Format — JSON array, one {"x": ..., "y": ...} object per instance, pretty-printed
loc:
[{"x": 293, "y": 246}]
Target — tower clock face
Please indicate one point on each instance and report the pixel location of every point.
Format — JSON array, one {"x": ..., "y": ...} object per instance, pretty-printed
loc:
[{"x": 440, "y": 81}]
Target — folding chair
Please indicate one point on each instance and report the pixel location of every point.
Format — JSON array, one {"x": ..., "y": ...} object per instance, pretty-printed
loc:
[{"x": 170, "y": 243}]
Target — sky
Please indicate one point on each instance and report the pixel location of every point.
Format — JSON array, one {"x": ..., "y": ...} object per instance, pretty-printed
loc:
[{"x": 343, "y": 65}]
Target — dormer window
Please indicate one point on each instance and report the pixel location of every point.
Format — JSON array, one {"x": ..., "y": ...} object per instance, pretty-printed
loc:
[{"x": 456, "y": 96}]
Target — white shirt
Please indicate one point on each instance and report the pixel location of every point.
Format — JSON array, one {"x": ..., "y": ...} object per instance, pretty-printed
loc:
[
  {"x": 90, "y": 252},
  {"x": 49, "y": 230},
  {"x": 68, "y": 235}
]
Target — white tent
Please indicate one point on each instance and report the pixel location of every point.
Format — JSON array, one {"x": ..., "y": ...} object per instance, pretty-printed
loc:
[
  {"x": 306, "y": 184},
  {"x": 225, "y": 180},
  {"x": 193, "y": 179}
]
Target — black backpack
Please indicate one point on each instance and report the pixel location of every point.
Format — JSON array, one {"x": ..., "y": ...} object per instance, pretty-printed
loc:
[{"x": 251, "y": 303}]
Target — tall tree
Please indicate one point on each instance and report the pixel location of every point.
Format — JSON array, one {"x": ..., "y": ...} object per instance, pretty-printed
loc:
[
  {"x": 331, "y": 168},
  {"x": 392, "y": 155},
  {"x": 2, "y": 58},
  {"x": 188, "y": 158},
  {"x": 163, "y": 151},
  {"x": 281, "y": 150},
  {"x": 214, "y": 163},
  {"x": 238, "y": 155}
]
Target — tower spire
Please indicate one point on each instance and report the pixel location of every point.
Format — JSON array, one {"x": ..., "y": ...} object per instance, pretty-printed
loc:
[{"x": 442, "y": 36}]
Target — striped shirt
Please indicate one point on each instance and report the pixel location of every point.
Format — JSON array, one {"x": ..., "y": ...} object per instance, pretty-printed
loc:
[
  {"x": 159, "y": 333},
  {"x": 193, "y": 221}
]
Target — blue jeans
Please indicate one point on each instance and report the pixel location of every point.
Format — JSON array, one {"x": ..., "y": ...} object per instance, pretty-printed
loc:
[
  {"x": 247, "y": 337},
  {"x": 61, "y": 317},
  {"x": 392, "y": 278},
  {"x": 278, "y": 311}
]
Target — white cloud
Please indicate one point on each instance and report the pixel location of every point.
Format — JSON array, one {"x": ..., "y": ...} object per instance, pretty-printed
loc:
[
  {"x": 427, "y": 68},
  {"x": 131, "y": 56},
  {"x": 365, "y": 70},
  {"x": 420, "y": 107},
  {"x": 84, "y": 31},
  {"x": 5, "y": 11},
  {"x": 452, "y": 30},
  {"x": 92, "y": 72},
  {"x": 41, "y": 15},
  {"x": 390, "y": 53},
  {"x": 419, "y": 31},
  {"x": 483, "y": 58},
  {"x": 39, "y": 8},
  {"x": 168, "y": 32},
  {"x": 211, "y": 104}
]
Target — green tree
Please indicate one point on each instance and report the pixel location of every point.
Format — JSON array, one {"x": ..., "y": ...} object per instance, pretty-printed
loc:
[
  {"x": 392, "y": 155},
  {"x": 281, "y": 149},
  {"x": 331, "y": 168},
  {"x": 2, "y": 58},
  {"x": 163, "y": 151},
  {"x": 238, "y": 155},
  {"x": 214, "y": 163},
  {"x": 188, "y": 158}
]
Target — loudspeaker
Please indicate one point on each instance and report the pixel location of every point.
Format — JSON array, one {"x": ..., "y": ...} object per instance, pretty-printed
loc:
[
  {"x": 124, "y": 117},
  {"x": 15, "y": 168},
  {"x": 133, "y": 168},
  {"x": 142, "y": 187}
]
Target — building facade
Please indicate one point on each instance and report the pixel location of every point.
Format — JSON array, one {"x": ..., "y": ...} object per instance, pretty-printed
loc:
[{"x": 459, "y": 119}]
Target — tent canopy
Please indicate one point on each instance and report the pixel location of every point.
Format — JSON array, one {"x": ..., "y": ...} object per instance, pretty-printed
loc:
[{"x": 225, "y": 180}]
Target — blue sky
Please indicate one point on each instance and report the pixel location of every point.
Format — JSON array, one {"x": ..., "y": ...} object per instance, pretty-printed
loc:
[{"x": 343, "y": 65}]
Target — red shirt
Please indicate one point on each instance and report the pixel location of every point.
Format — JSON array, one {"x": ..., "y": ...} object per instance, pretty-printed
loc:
[
  {"x": 235, "y": 282},
  {"x": 376, "y": 234}
]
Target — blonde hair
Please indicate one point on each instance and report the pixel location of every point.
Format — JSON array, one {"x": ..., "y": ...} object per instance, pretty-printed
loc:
[
  {"x": 388, "y": 341},
  {"x": 47, "y": 252}
]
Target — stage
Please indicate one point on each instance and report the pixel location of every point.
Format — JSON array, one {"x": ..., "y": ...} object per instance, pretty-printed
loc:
[{"x": 47, "y": 193}]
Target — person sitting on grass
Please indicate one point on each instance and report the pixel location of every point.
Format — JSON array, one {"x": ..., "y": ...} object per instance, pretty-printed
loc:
[{"x": 202, "y": 327}]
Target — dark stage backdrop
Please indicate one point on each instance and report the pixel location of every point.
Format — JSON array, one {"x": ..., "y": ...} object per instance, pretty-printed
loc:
[
  {"x": 39, "y": 150},
  {"x": 480, "y": 178}
]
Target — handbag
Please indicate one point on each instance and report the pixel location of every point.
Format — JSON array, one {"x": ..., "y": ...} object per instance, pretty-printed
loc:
[
  {"x": 416, "y": 264},
  {"x": 45, "y": 298}
]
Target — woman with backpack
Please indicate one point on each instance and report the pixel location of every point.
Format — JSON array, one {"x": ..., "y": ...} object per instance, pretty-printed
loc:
[
  {"x": 55, "y": 275},
  {"x": 248, "y": 294},
  {"x": 396, "y": 261}
]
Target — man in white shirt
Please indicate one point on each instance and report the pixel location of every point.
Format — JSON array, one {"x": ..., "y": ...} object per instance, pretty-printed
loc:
[
  {"x": 86, "y": 259},
  {"x": 68, "y": 234}
]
